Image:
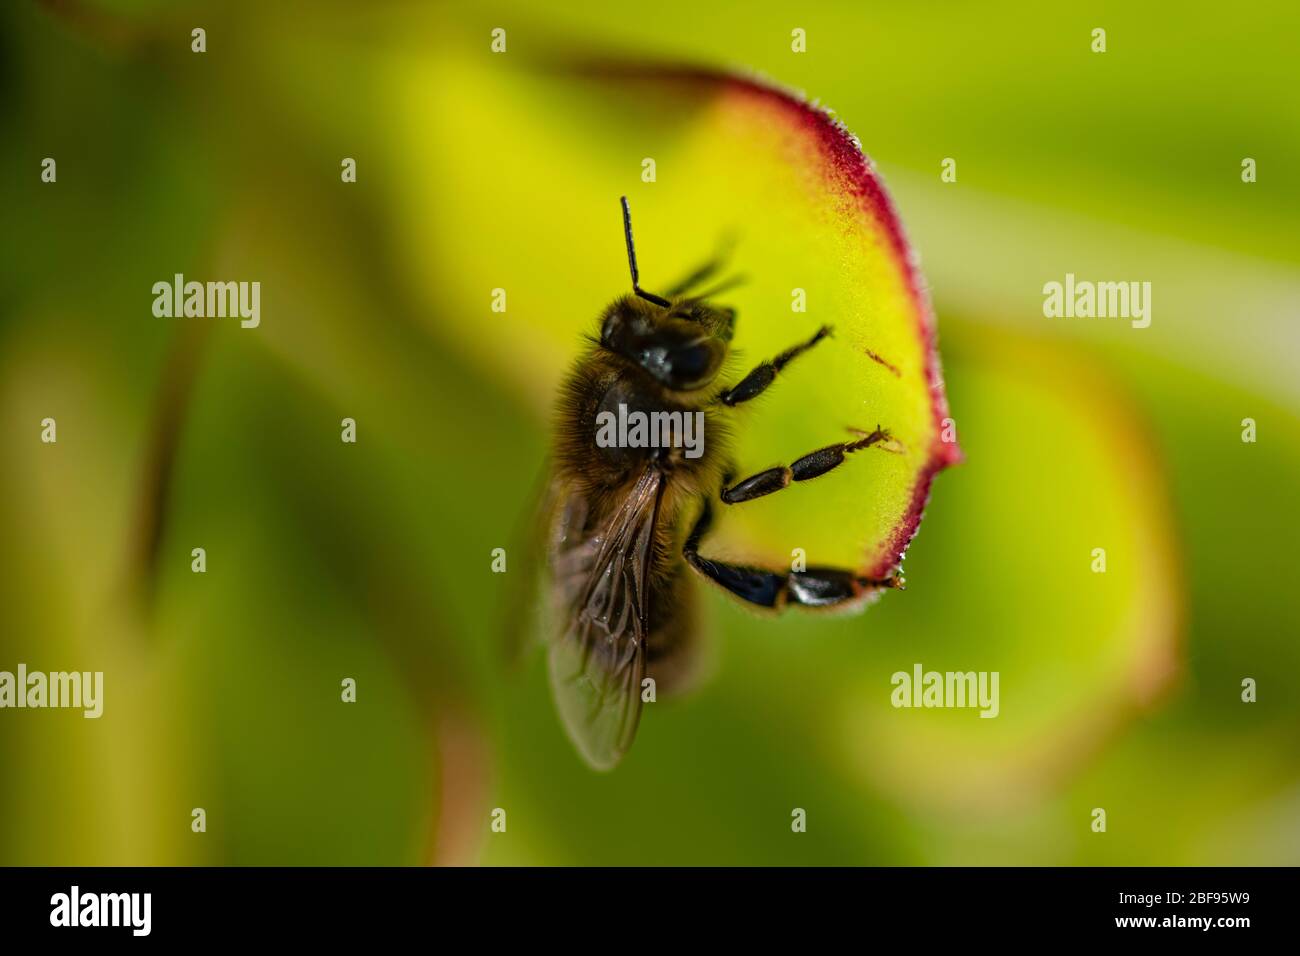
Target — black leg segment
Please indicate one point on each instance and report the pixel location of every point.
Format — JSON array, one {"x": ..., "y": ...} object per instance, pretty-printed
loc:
[
  {"x": 816, "y": 587},
  {"x": 809, "y": 466},
  {"x": 757, "y": 381}
]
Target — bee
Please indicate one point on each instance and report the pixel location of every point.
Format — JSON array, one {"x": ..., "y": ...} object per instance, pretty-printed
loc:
[{"x": 626, "y": 521}]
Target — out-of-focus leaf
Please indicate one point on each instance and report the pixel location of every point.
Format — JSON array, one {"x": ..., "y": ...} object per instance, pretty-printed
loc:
[{"x": 1082, "y": 625}]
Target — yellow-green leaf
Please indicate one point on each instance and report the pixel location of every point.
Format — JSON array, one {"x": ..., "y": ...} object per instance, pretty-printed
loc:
[{"x": 520, "y": 189}]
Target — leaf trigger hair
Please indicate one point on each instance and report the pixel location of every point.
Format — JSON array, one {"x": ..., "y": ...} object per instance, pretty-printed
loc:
[{"x": 631, "y": 260}]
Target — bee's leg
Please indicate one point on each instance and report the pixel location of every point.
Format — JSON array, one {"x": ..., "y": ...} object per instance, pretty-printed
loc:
[
  {"x": 722, "y": 252},
  {"x": 809, "y": 466},
  {"x": 705, "y": 271},
  {"x": 813, "y": 587},
  {"x": 764, "y": 374}
]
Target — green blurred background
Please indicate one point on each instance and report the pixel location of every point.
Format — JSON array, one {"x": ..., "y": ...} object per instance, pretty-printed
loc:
[{"x": 325, "y": 560}]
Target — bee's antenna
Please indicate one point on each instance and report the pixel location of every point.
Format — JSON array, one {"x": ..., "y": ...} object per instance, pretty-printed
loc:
[{"x": 631, "y": 259}]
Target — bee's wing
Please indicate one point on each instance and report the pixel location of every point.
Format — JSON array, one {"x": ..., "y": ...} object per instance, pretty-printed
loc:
[{"x": 598, "y": 648}]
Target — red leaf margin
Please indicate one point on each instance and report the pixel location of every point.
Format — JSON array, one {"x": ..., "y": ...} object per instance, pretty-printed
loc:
[{"x": 850, "y": 163}]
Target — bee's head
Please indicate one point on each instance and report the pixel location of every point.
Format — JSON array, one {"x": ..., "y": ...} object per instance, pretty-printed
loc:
[{"x": 681, "y": 342}]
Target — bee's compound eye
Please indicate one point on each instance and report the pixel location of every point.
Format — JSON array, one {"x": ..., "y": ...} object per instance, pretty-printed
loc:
[
  {"x": 690, "y": 363},
  {"x": 691, "y": 366}
]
